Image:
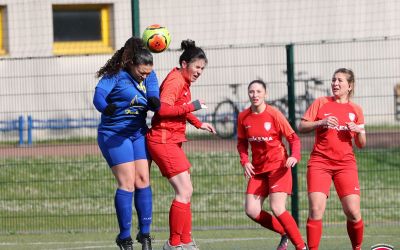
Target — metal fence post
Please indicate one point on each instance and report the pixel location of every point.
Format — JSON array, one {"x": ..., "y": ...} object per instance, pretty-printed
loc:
[
  {"x": 135, "y": 18},
  {"x": 292, "y": 120},
  {"x": 21, "y": 129},
  {"x": 30, "y": 126}
]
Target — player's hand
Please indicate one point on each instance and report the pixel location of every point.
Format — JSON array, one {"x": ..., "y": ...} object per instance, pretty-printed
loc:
[
  {"x": 330, "y": 121},
  {"x": 208, "y": 127},
  {"x": 153, "y": 103},
  {"x": 110, "y": 109},
  {"x": 354, "y": 127},
  {"x": 291, "y": 162},
  {"x": 248, "y": 170}
]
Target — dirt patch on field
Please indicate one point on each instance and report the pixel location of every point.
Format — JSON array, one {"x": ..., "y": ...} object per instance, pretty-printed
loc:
[{"x": 374, "y": 141}]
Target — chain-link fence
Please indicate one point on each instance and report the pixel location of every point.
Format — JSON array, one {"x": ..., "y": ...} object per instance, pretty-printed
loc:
[{"x": 54, "y": 179}]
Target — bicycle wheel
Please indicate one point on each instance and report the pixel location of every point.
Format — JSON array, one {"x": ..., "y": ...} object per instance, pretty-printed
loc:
[{"x": 224, "y": 119}]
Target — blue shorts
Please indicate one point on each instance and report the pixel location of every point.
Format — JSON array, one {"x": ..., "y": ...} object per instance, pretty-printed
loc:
[{"x": 118, "y": 149}]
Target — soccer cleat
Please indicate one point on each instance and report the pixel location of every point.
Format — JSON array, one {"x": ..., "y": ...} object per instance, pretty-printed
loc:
[
  {"x": 283, "y": 244},
  {"x": 191, "y": 246},
  {"x": 145, "y": 240},
  {"x": 125, "y": 244},
  {"x": 167, "y": 246}
]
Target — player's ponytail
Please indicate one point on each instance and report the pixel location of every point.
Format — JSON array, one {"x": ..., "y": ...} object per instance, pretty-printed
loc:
[
  {"x": 191, "y": 52},
  {"x": 133, "y": 52},
  {"x": 112, "y": 66}
]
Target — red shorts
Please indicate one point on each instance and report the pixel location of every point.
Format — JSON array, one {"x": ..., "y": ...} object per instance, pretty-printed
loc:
[
  {"x": 345, "y": 179},
  {"x": 278, "y": 180},
  {"x": 169, "y": 157}
]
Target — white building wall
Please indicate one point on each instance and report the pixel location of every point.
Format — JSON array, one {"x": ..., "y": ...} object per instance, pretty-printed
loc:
[{"x": 217, "y": 22}]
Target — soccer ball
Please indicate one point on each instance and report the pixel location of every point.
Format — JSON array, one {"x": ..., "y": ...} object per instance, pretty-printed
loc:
[{"x": 156, "y": 38}]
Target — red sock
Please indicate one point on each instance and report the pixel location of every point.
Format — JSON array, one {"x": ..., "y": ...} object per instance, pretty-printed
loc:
[
  {"x": 291, "y": 229},
  {"x": 314, "y": 233},
  {"x": 268, "y": 221},
  {"x": 355, "y": 231},
  {"x": 186, "y": 236},
  {"x": 176, "y": 222}
]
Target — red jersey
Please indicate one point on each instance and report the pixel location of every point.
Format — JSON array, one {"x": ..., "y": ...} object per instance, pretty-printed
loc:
[
  {"x": 264, "y": 134},
  {"x": 334, "y": 143},
  {"x": 168, "y": 125}
]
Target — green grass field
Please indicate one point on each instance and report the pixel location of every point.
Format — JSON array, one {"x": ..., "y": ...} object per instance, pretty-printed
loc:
[
  {"x": 334, "y": 238},
  {"x": 60, "y": 199}
]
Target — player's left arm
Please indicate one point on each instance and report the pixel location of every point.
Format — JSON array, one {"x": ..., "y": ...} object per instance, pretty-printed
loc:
[
  {"x": 291, "y": 138},
  {"x": 153, "y": 92},
  {"x": 358, "y": 128}
]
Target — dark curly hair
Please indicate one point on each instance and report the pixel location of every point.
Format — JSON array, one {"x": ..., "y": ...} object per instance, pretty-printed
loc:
[
  {"x": 133, "y": 52},
  {"x": 191, "y": 52}
]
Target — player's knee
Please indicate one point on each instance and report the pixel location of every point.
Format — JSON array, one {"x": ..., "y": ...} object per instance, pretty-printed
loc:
[
  {"x": 316, "y": 212},
  {"x": 184, "y": 195},
  {"x": 353, "y": 215},
  {"x": 252, "y": 212},
  {"x": 277, "y": 210},
  {"x": 142, "y": 181}
]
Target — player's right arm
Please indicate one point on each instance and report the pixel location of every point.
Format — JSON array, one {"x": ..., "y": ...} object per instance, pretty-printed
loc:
[
  {"x": 171, "y": 91},
  {"x": 167, "y": 110},
  {"x": 102, "y": 90},
  {"x": 243, "y": 148},
  {"x": 309, "y": 120}
]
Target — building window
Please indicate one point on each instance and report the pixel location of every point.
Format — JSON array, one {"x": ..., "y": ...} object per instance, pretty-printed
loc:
[
  {"x": 81, "y": 29},
  {"x": 2, "y": 30}
]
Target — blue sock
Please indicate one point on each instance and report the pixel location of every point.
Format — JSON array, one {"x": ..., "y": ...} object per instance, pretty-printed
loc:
[
  {"x": 123, "y": 208},
  {"x": 144, "y": 208}
]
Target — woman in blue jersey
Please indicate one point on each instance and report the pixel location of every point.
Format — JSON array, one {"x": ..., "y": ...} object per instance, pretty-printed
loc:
[{"x": 128, "y": 88}]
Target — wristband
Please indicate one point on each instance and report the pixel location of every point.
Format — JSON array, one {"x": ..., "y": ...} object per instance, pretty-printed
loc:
[{"x": 196, "y": 104}]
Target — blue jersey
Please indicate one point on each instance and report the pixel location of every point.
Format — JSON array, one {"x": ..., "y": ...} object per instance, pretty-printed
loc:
[{"x": 130, "y": 97}]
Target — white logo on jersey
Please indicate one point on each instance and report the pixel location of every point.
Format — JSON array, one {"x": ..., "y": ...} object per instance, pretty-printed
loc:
[
  {"x": 352, "y": 116},
  {"x": 326, "y": 114},
  {"x": 340, "y": 127},
  {"x": 247, "y": 127},
  {"x": 267, "y": 126},
  {"x": 260, "y": 138},
  {"x": 274, "y": 186}
]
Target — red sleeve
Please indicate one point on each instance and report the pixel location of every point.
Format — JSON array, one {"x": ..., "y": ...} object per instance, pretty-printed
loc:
[
  {"x": 282, "y": 122},
  {"x": 242, "y": 148},
  {"x": 295, "y": 146},
  {"x": 242, "y": 143},
  {"x": 312, "y": 111},
  {"x": 171, "y": 89},
  {"x": 192, "y": 119},
  {"x": 167, "y": 110},
  {"x": 290, "y": 135},
  {"x": 359, "y": 114}
]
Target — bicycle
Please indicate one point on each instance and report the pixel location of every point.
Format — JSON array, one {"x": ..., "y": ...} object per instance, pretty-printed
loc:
[
  {"x": 226, "y": 112},
  {"x": 303, "y": 101}
]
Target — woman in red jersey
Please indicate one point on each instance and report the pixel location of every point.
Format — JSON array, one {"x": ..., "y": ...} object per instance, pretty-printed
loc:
[
  {"x": 167, "y": 134},
  {"x": 269, "y": 173},
  {"x": 336, "y": 121}
]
